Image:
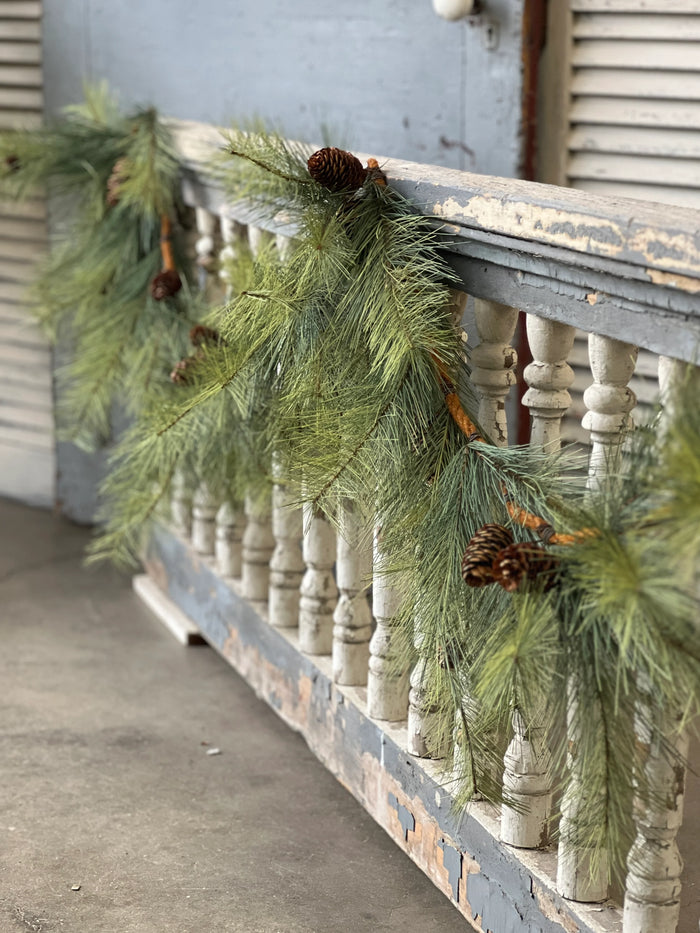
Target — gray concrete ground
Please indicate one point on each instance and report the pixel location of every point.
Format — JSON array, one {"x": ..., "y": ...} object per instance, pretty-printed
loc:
[{"x": 113, "y": 819}]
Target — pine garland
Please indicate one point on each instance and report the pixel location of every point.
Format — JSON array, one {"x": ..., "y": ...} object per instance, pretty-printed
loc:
[
  {"x": 344, "y": 362},
  {"x": 115, "y": 287}
]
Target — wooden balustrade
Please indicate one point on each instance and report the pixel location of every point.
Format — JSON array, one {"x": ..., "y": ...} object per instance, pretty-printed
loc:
[{"x": 569, "y": 260}]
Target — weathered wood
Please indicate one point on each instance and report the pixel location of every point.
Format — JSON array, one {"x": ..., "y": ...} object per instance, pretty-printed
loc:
[
  {"x": 204, "y": 509},
  {"x": 258, "y": 545},
  {"x": 493, "y": 365},
  {"x": 318, "y": 588},
  {"x": 228, "y": 549},
  {"x": 181, "y": 504},
  {"x": 609, "y": 401},
  {"x": 287, "y": 562},
  {"x": 352, "y": 619},
  {"x": 549, "y": 377},
  {"x": 527, "y": 786},
  {"x": 387, "y": 683}
]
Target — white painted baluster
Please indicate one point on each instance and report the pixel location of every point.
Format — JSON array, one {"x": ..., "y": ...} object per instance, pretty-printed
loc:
[
  {"x": 229, "y": 540},
  {"x": 181, "y": 503},
  {"x": 423, "y": 725},
  {"x": 318, "y": 588},
  {"x": 609, "y": 401},
  {"x": 493, "y": 362},
  {"x": 352, "y": 617},
  {"x": 527, "y": 781},
  {"x": 204, "y": 509},
  {"x": 387, "y": 686},
  {"x": 258, "y": 545},
  {"x": 232, "y": 233},
  {"x": 548, "y": 377},
  {"x": 286, "y": 563},
  {"x": 654, "y": 864},
  {"x": 204, "y": 247}
]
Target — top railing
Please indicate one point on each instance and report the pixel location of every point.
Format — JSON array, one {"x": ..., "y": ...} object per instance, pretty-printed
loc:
[{"x": 617, "y": 267}]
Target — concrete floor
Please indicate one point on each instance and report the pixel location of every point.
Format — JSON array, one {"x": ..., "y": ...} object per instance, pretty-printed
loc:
[{"x": 105, "y": 783}]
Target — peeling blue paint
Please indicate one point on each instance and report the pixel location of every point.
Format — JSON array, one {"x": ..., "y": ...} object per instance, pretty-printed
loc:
[
  {"x": 452, "y": 860},
  {"x": 406, "y": 818}
]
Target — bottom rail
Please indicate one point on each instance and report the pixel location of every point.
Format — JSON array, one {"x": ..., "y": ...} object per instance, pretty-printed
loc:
[{"x": 496, "y": 887}]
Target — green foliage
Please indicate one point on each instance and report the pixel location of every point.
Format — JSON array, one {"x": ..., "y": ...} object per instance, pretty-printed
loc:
[
  {"x": 117, "y": 176},
  {"x": 337, "y": 361}
]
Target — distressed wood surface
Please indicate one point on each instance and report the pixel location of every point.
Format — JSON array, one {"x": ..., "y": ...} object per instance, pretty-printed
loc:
[{"x": 607, "y": 264}]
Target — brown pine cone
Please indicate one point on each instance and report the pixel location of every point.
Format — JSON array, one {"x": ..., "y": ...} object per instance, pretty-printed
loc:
[
  {"x": 336, "y": 169},
  {"x": 201, "y": 334},
  {"x": 166, "y": 284},
  {"x": 522, "y": 563},
  {"x": 479, "y": 555}
]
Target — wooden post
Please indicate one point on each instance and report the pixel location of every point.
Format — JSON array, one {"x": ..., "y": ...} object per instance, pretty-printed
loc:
[
  {"x": 548, "y": 377},
  {"x": 609, "y": 401},
  {"x": 286, "y": 563},
  {"x": 387, "y": 685},
  {"x": 318, "y": 589},
  {"x": 258, "y": 545},
  {"x": 493, "y": 364},
  {"x": 424, "y": 739},
  {"x": 229, "y": 540},
  {"x": 204, "y": 509},
  {"x": 654, "y": 864},
  {"x": 181, "y": 504},
  {"x": 204, "y": 246},
  {"x": 352, "y": 618},
  {"x": 527, "y": 779}
]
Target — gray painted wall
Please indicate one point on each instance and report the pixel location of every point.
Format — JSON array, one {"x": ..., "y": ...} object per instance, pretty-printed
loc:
[{"x": 386, "y": 77}]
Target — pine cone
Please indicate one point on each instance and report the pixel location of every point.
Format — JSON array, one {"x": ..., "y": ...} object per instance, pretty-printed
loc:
[
  {"x": 336, "y": 169},
  {"x": 201, "y": 334},
  {"x": 524, "y": 562},
  {"x": 165, "y": 284},
  {"x": 481, "y": 552},
  {"x": 120, "y": 173}
]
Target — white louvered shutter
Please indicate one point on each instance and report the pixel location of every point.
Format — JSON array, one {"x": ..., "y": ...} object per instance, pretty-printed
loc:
[
  {"x": 633, "y": 124},
  {"x": 27, "y": 459}
]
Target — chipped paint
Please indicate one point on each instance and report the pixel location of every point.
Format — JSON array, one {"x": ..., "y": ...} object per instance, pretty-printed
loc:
[
  {"x": 674, "y": 280},
  {"x": 592, "y": 298},
  {"x": 484, "y": 880}
]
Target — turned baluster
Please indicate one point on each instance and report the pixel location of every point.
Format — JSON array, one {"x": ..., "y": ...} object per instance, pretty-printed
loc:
[
  {"x": 232, "y": 234},
  {"x": 387, "y": 684},
  {"x": 204, "y": 509},
  {"x": 287, "y": 562},
  {"x": 609, "y": 401},
  {"x": 548, "y": 377},
  {"x": 493, "y": 362},
  {"x": 318, "y": 590},
  {"x": 527, "y": 780},
  {"x": 352, "y": 618},
  {"x": 204, "y": 246},
  {"x": 258, "y": 545},
  {"x": 229, "y": 540},
  {"x": 181, "y": 503},
  {"x": 654, "y": 864},
  {"x": 426, "y": 737}
]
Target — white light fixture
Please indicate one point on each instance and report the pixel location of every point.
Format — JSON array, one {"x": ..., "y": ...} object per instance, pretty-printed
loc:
[{"x": 454, "y": 9}]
